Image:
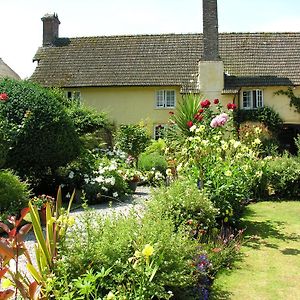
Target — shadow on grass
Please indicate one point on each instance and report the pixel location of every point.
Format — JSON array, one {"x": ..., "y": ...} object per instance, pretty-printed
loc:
[
  {"x": 218, "y": 293},
  {"x": 258, "y": 231}
]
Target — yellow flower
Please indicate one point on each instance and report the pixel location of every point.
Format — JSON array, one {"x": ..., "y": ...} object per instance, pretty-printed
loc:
[
  {"x": 257, "y": 130},
  {"x": 257, "y": 141},
  {"x": 6, "y": 283},
  {"x": 71, "y": 221},
  {"x": 228, "y": 173},
  {"x": 110, "y": 296},
  {"x": 148, "y": 250}
]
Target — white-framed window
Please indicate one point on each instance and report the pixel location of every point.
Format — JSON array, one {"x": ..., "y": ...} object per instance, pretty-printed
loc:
[
  {"x": 165, "y": 99},
  {"x": 74, "y": 95},
  {"x": 252, "y": 99},
  {"x": 159, "y": 131}
]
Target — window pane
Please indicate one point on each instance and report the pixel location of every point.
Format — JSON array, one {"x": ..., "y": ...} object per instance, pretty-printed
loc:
[
  {"x": 160, "y": 99},
  {"x": 170, "y": 98},
  {"x": 254, "y": 99},
  {"x": 259, "y": 98},
  {"x": 246, "y": 99}
]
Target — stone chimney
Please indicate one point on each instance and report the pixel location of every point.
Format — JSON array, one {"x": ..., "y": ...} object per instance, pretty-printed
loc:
[
  {"x": 211, "y": 67},
  {"x": 50, "y": 29},
  {"x": 210, "y": 31}
]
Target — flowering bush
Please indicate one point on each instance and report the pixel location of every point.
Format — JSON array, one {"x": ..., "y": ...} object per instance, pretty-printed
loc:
[
  {"x": 215, "y": 158},
  {"x": 105, "y": 181}
]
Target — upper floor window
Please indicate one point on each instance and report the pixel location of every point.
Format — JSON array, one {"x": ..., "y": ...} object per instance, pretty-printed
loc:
[
  {"x": 165, "y": 99},
  {"x": 74, "y": 95},
  {"x": 252, "y": 99}
]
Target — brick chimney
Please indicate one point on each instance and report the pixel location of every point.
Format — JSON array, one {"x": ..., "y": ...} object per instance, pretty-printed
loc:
[
  {"x": 210, "y": 30},
  {"x": 211, "y": 67},
  {"x": 50, "y": 29}
]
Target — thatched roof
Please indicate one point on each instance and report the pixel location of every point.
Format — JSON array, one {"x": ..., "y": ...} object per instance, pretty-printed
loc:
[{"x": 6, "y": 71}]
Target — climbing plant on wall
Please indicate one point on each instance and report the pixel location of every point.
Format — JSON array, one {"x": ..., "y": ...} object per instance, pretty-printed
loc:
[{"x": 294, "y": 100}]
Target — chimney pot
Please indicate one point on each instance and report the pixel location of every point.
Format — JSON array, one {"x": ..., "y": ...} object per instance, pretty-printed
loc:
[{"x": 50, "y": 29}]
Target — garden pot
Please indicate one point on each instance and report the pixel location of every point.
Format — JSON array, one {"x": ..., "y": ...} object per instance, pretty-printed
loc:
[
  {"x": 132, "y": 185},
  {"x": 42, "y": 214}
]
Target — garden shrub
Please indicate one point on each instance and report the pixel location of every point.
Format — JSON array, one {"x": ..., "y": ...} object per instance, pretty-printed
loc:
[
  {"x": 266, "y": 115},
  {"x": 297, "y": 143},
  {"x": 185, "y": 204},
  {"x": 43, "y": 135},
  {"x": 145, "y": 257},
  {"x": 132, "y": 139},
  {"x": 152, "y": 161},
  {"x": 282, "y": 177},
  {"x": 249, "y": 131},
  {"x": 94, "y": 127},
  {"x": 14, "y": 194}
]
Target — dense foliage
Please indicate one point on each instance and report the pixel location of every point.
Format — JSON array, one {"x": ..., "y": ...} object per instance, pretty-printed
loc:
[
  {"x": 41, "y": 133},
  {"x": 14, "y": 194}
]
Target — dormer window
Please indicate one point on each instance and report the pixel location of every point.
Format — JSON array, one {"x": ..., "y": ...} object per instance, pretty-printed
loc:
[{"x": 252, "y": 99}]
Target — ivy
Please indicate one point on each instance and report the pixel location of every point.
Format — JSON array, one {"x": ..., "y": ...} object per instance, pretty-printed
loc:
[{"x": 294, "y": 101}]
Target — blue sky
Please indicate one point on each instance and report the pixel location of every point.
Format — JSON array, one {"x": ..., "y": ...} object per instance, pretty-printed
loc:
[{"x": 21, "y": 25}]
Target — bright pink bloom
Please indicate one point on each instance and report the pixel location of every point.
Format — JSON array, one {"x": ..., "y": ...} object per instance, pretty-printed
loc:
[
  {"x": 219, "y": 120},
  {"x": 205, "y": 103},
  {"x": 3, "y": 97},
  {"x": 216, "y": 101},
  {"x": 231, "y": 106},
  {"x": 189, "y": 124}
]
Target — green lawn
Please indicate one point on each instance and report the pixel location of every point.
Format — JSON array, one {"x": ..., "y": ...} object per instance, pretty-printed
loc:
[{"x": 270, "y": 264}]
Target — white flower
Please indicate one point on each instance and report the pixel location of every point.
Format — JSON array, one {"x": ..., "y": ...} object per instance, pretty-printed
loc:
[
  {"x": 193, "y": 128},
  {"x": 99, "y": 179},
  {"x": 115, "y": 195},
  {"x": 71, "y": 175},
  {"x": 169, "y": 172},
  {"x": 179, "y": 167},
  {"x": 105, "y": 189}
]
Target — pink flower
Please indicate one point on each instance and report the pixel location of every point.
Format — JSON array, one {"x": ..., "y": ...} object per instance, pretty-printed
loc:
[
  {"x": 3, "y": 97},
  {"x": 231, "y": 106},
  {"x": 219, "y": 120},
  {"x": 189, "y": 124},
  {"x": 216, "y": 101},
  {"x": 205, "y": 103}
]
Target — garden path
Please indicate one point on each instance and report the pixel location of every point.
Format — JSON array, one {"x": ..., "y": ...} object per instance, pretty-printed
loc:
[{"x": 270, "y": 266}]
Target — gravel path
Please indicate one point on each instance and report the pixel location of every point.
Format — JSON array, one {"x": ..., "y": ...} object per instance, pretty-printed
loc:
[{"x": 135, "y": 201}]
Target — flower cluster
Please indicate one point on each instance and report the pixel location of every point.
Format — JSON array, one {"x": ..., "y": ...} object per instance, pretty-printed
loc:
[
  {"x": 219, "y": 120},
  {"x": 3, "y": 97}
]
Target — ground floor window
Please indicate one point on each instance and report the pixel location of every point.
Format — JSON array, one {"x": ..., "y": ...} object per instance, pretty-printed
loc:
[
  {"x": 252, "y": 99},
  {"x": 74, "y": 95},
  {"x": 159, "y": 131}
]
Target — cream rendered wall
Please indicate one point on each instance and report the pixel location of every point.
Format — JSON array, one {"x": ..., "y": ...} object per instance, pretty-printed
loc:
[
  {"x": 280, "y": 103},
  {"x": 129, "y": 105}
]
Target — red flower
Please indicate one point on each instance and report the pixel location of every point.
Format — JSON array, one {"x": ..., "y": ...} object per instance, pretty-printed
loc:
[
  {"x": 189, "y": 124},
  {"x": 231, "y": 106},
  {"x": 3, "y": 97},
  {"x": 198, "y": 117},
  {"x": 171, "y": 113},
  {"x": 205, "y": 103},
  {"x": 200, "y": 110},
  {"x": 216, "y": 101}
]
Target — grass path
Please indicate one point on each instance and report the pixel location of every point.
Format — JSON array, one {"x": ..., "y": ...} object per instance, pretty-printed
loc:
[{"x": 270, "y": 265}]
